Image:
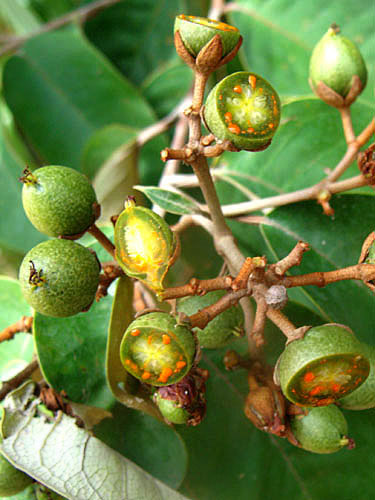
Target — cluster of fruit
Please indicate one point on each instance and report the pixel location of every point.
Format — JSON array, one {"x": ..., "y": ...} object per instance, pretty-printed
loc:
[{"x": 325, "y": 369}]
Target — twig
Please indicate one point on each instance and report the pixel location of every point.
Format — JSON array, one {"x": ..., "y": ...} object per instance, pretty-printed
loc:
[
  {"x": 22, "y": 325},
  {"x": 102, "y": 239},
  {"x": 347, "y": 125},
  {"x": 81, "y": 14},
  {"x": 198, "y": 287},
  {"x": 17, "y": 380},
  {"x": 362, "y": 272}
]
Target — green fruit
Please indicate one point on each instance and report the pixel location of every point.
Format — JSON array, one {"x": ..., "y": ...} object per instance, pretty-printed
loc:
[
  {"x": 59, "y": 277},
  {"x": 322, "y": 367},
  {"x": 171, "y": 410},
  {"x": 322, "y": 430},
  {"x": 12, "y": 480},
  {"x": 59, "y": 201},
  {"x": 370, "y": 259},
  {"x": 244, "y": 109},
  {"x": 363, "y": 397},
  {"x": 196, "y": 32},
  {"x": 145, "y": 245},
  {"x": 157, "y": 350},
  {"x": 335, "y": 61},
  {"x": 221, "y": 329}
]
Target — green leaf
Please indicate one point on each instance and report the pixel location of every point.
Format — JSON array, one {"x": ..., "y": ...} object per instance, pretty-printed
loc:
[
  {"x": 299, "y": 155},
  {"x": 79, "y": 467},
  {"x": 172, "y": 201},
  {"x": 72, "y": 91},
  {"x": 111, "y": 159},
  {"x": 167, "y": 86},
  {"x": 124, "y": 387},
  {"x": 15, "y": 354},
  {"x": 131, "y": 433},
  {"x": 279, "y": 36},
  {"x": 27, "y": 494},
  {"x": 136, "y": 36},
  {"x": 17, "y": 17},
  {"x": 71, "y": 353}
]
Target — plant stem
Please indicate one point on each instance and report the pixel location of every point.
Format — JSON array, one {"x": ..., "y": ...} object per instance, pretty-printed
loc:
[
  {"x": 23, "y": 325},
  {"x": 347, "y": 125},
  {"x": 102, "y": 239},
  {"x": 80, "y": 14},
  {"x": 362, "y": 272}
]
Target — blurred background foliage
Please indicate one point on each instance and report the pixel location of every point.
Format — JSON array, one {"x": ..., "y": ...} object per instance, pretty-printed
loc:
[{"x": 80, "y": 95}]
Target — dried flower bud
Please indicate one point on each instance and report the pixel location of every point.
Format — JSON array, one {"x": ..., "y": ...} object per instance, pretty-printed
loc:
[
  {"x": 184, "y": 402},
  {"x": 145, "y": 245},
  {"x": 265, "y": 404}
]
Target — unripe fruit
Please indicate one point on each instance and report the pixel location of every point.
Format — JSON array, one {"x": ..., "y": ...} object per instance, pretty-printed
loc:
[
  {"x": 223, "y": 328},
  {"x": 196, "y": 32},
  {"x": 323, "y": 366},
  {"x": 336, "y": 61},
  {"x": 245, "y": 109},
  {"x": 322, "y": 430},
  {"x": 145, "y": 245},
  {"x": 157, "y": 350},
  {"x": 59, "y": 277},
  {"x": 363, "y": 397},
  {"x": 59, "y": 201},
  {"x": 171, "y": 410},
  {"x": 12, "y": 480}
]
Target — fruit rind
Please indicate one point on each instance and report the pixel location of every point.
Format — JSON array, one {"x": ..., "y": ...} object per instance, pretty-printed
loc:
[
  {"x": 61, "y": 202},
  {"x": 157, "y": 350},
  {"x": 244, "y": 109},
  {"x": 145, "y": 245},
  {"x": 69, "y": 273},
  {"x": 362, "y": 398},
  {"x": 334, "y": 61},
  {"x": 196, "y": 32},
  {"x": 322, "y": 430},
  {"x": 322, "y": 367},
  {"x": 223, "y": 328}
]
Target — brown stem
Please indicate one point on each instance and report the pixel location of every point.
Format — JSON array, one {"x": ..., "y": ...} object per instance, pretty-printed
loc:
[
  {"x": 257, "y": 332},
  {"x": 22, "y": 325},
  {"x": 294, "y": 258},
  {"x": 80, "y": 14},
  {"x": 223, "y": 237},
  {"x": 362, "y": 272},
  {"x": 204, "y": 316},
  {"x": 198, "y": 287},
  {"x": 17, "y": 380},
  {"x": 347, "y": 125},
  {"x": 282, "y": 322},
  {"x": 102, "y": 239}
]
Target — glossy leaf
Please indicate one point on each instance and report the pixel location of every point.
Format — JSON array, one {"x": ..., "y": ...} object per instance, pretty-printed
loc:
[
  {"x": 87, "y": 468},
  {"x": 75, "y": 90},
  {"x": 167, "y": 86},
  {"x": 280, "y": 35},
  {"x": 130, "y": 433},
  {"x": 15, "y": 354},
  {"x": 171, "y": 201},
  {"x": 137, "y": 36}
]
